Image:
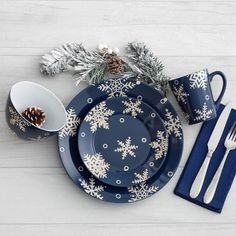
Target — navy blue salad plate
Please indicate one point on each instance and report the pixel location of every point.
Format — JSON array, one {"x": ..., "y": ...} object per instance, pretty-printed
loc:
[{"x": 122, "y": 141}]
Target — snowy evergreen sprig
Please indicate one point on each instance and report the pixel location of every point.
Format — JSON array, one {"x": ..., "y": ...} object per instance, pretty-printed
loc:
[
  {"x": 146, "y": 65},
  {"x": 59, "y": 59},
  {"x": 96, "y": 65},
  {"x": 89, "y": 66}
]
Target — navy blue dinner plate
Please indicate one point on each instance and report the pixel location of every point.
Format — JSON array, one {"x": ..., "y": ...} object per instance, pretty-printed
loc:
[{"x": 79, "y": 108}]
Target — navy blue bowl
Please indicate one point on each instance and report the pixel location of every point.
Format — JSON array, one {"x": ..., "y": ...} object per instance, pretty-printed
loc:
[{"x": 26, "y": 94}]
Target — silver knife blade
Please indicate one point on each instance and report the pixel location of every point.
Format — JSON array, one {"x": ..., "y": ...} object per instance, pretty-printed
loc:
[{"x": 219, "y": 128}]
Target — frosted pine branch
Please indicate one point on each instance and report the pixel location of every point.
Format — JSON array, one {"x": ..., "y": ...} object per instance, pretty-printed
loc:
[
  {"x": 90, "y": 66},
  {"x": 60, "y": 59},
  {"x": 95, "y": 66},
  {"x": 146, "y": 65}
]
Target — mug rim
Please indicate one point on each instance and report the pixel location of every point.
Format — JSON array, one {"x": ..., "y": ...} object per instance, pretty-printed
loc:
[{"x": 50, "y": 93}]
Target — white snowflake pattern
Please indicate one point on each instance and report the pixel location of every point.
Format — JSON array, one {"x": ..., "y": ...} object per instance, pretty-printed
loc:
[
  {"x": 98, "y": 117},
  {"x": 141, "y": 191},
  {"x": 97, "y": 165},
  {"x": 92, "y": 188},
  {"x": 160, "y": 145},
  {"x": 72, "y": 123},
  {"x": 132, "y": 108},
  {"x": 173, "y": 125},
  {"x": 17, "y": 120},
  {"x": 204, "y": 113},
  {"x": 141, "y": 177},
  {"x": 180, "y": 94},
  {"x": 198, "y": 80},
  {"x": 126, "y": 148},
  {"x": 117, "y": 87}
]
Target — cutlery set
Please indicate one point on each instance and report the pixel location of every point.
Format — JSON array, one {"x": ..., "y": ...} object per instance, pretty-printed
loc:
[
  {"x": 230, "y": 144},
  {"x": 212, "y": 145}
]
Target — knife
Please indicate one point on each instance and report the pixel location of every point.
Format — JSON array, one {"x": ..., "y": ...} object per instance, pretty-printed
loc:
[{"x": 212, "y": 144}]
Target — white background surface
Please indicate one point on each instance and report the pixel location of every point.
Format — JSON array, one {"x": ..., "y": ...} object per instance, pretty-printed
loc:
[{"x": 36, "y": 196}]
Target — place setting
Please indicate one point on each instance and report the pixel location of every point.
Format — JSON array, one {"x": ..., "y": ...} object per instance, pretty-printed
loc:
[{"x": 120, "y": 139}]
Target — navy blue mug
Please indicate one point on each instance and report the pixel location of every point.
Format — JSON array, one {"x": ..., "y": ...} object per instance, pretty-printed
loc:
[
  {"x": 194, "y": 95},
  {"x": 26, "y": 94}
]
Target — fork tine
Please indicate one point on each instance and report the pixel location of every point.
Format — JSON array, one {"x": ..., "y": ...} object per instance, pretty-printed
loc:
[
  {"x": 234, "y": 136},
  {"x": 232, "y": 132}
]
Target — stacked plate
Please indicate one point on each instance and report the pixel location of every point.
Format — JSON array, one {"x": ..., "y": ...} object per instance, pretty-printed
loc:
[{"x": 122, "y": 142}]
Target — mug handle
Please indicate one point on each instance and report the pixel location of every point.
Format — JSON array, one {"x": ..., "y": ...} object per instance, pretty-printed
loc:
[{"x": 221, "y": 74}]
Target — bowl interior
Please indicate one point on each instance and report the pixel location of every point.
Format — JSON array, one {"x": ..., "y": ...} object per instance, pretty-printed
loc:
[{"x": 26, "y": 93}]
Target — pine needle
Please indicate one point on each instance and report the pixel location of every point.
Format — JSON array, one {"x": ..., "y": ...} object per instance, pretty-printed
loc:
[
  {"x": 59, "y": 59},
  {"x": 146, "y": 65},
  {"x": 90, "y": 67}
]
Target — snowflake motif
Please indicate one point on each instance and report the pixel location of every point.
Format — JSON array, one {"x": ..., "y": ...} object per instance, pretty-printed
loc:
[
  {"x": 160, "y": 145},
  {"x": 91, "y": 188},
  {"x": 180, "y": 94},
  {"x": 132, "y": 108},
  {"x": 97, "y": 165},
  {"x": 204, "y": 113},
  {"x": 17, "y": 120},
  {"x": 198, "y": 80},
  {"x": 141, "y": 191},
  {"x": 141, "y": 177},
  {"x": 126, "y": 148},
  {"x": 98, "y": 117},
  {"x": 72, "y": 123},
  {"x": 173, "y": 125},
  {"x": 117, "y": 87}
]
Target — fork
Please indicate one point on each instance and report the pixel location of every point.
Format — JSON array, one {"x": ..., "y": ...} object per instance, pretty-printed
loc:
[{"x": 230, "y": 144}]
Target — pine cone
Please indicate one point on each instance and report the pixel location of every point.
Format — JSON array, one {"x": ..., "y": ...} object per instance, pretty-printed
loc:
[
  {"x": 34, "y": 115},
  {"x": 115, "y": 64}
]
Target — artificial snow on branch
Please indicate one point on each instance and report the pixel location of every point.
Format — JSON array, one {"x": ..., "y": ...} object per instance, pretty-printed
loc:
[
  {"x": 97, "y": 65},
  {"x": 146, "y": 65},
  {"x": 90, "y": 66},
  {"x": 59, "y": 59}
]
